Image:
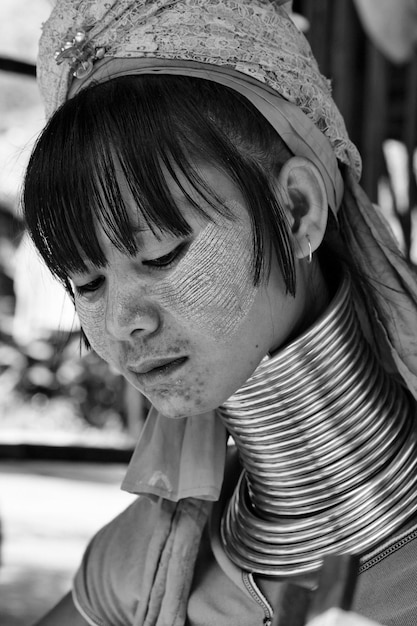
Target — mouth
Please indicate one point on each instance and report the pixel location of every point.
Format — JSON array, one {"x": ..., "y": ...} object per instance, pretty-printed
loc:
[{"x": 157, "y": 370}]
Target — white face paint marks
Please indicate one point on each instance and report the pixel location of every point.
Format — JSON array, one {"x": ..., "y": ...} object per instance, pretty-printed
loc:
[
  {"x": 212, "y": 286},
  {"x": 92, "y": 320}
]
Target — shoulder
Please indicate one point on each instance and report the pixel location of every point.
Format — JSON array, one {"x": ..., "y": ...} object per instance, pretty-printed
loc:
[
  {"x": 126, "y": 537},
  {"x": 388, "y": 579},
  {"x": 108, "y": 582}
]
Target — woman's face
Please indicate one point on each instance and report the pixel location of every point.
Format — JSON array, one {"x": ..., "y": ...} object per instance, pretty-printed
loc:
[{"x": 182, "y": 320}]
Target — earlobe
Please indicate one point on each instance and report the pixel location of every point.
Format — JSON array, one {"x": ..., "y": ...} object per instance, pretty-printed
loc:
[{"x": 304, "y": 189}]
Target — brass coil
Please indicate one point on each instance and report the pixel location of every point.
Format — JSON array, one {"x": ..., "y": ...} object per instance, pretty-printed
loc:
[{"x": 328, "y": 446}]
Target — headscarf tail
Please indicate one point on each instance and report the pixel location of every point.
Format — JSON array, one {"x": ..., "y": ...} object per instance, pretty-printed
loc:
[{"x": 371, "y": 244}]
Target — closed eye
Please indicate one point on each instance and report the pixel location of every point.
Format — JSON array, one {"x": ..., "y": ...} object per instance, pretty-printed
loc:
[
  {"x": 89, "y": 287},
  {"x": 160, "y": 263},
  {"x": 167, "y": 260}
]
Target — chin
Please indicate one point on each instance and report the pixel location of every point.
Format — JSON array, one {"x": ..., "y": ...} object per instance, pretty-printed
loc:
[{"x": 176, "y": 408}]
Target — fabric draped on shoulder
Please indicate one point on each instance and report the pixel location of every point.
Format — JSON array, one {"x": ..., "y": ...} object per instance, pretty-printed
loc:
[
  {"x": 178, "y": 458},
  {"x": 372, "y": 246},
  {"x": 138, "y": 569}
]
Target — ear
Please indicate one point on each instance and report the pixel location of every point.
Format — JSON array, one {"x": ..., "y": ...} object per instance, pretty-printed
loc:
[{"x": 307, "y": 205}]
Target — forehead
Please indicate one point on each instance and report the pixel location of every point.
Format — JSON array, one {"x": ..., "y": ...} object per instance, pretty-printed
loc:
[
  {"x": 223, "y": 198},
  {"x": 219, "y": 187}
]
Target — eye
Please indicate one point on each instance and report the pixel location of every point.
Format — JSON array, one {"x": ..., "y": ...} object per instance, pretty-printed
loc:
[
  {"x": 166, "y": 261},
  {"x": 89, "y": 287}
]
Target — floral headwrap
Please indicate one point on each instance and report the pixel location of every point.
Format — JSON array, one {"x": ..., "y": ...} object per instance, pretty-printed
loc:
[{"x": 252, "y": 46}]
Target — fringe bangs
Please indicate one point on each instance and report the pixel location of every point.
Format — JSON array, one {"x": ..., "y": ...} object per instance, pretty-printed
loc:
[{"x": 120, "y": 141}]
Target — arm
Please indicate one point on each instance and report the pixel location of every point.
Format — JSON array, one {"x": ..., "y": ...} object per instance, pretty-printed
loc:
[
  {"x": 337, "y": 617},
  {"x": 63, "y": 614}
]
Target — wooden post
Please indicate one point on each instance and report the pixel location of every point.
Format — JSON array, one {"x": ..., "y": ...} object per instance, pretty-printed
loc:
[
  {"x": 319, "y": 14},
  {"x": 374, "y": 119},
  {"x": 346, "y": 69},
  {"x": 410, "y": 140}
]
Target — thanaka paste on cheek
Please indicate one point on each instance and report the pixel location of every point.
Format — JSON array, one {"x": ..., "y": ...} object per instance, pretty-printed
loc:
[
  {"x": 92, "y": 320},
  {"x": 212, "y": 286}
]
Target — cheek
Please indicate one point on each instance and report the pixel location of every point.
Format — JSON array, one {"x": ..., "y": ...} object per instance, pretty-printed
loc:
[
  {"x": 212, "y": 287},
  {"x": 92, "y": 319},
  {"x": 190, "y": 392}
]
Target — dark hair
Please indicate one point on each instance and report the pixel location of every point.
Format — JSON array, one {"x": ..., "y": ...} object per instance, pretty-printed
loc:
[{"x": 144, "y": 127}]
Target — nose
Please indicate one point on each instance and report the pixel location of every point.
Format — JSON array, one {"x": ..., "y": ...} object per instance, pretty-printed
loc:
[{"x": 130, "y": 312}]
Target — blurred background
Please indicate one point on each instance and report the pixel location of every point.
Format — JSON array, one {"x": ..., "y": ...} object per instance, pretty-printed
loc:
[{"x": 68, "y": 423}]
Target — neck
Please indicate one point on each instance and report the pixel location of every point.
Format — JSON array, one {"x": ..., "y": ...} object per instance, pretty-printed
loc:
[{"x": 329, "y": 455}]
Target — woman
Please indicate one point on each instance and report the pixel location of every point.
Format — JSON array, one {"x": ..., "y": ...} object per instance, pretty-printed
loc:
[{"x": 195, "y": 191}]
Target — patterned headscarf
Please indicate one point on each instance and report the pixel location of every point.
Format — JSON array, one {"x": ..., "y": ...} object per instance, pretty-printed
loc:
[{"x": 251, "y": 45}]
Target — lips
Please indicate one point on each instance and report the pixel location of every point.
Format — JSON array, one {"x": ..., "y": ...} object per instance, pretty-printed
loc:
[{"x": 153, "y": 370}]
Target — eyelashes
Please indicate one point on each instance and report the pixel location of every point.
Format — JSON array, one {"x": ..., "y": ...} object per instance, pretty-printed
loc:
[
  {"x": 90, "y": 287},
  {"x": 161, "y": 263},
  {"x": 166, "y": 261}
]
